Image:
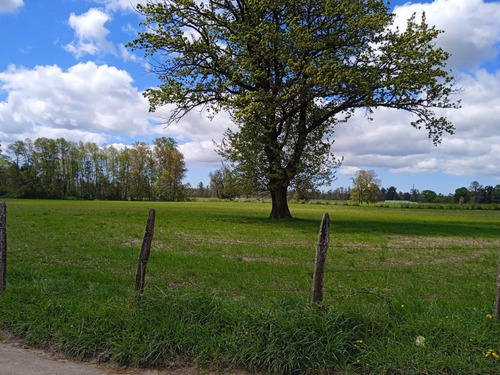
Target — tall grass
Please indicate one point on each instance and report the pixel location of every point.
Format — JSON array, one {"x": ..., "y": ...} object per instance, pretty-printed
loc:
[{"x": 228, "y": 288}]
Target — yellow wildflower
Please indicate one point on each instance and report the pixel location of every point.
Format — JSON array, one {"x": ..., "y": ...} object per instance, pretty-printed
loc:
[{"x": 492, "y": 353}]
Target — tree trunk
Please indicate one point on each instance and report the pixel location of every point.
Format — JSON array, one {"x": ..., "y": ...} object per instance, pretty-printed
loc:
[{"x": 280, "y": 204}]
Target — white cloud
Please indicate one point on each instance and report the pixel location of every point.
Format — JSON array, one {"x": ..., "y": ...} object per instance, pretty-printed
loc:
[
  {"x": 472, "y": 35},
  {"x": 74, "y": 135},
  {"x": 8, "y": 6},
  {"x": 389, "y": 142},
  {"x": 120, "y": 5},
  {"x": 348, "y": 170},
  {"x": 86, "y": 101},
  {"x": 126, "y": 55},
  {"x": 90, "y": 34},
  {"x": 472, "y": 28},
  {"x": 99, "y": 103},
  {"x": 200, "y": 153},
  {"x": 195, "y": 126}
]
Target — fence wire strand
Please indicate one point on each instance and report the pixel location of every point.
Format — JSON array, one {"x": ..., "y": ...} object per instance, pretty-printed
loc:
[{"x": 344, "y": 273}]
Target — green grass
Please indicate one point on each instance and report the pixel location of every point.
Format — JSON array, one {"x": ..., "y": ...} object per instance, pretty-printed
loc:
[{"x": 228, "y": 288}]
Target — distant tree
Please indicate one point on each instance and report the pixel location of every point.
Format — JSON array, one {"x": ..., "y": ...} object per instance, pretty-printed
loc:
[
  {"x": 485, "y": 194},
  {"x": 288, "y": 72},
  {"x": 170, "y": 169},
  {"x": 304, "y": 189},
  {"x": 46, "y": 160},
  {"x": 415, "y": 195},
  {"x": 405, "y": 196},
  {"x": 495, "y": 194},
  {"x": 441, "y": 198},
  {"x": 462, "y": 195},
  {"x": 113, "y": 169},
  {"x": 201, "y": 191},
  {"x": 4, "y": 165},
  {"x": 2, "y": 155},
  {"x": 365, "y": 187},
  {"x": 429, "y": 196},
  {"x": 392, "y": 194},
  {"x": 141, "y": 171},
  {"x": 341, "y": 194},
  {"x": 224, "y": 183},
  {"x": 338, "y": 194},
  {"x": 475, "y": 192}
]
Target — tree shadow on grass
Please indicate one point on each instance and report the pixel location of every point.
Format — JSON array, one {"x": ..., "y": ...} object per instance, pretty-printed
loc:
[
  {"x": 390, "y": 226},
  {"x": 417, "y": 228}
]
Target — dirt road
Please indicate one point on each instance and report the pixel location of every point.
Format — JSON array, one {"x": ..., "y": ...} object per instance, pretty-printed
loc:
[{"x": 15, "y": 359}]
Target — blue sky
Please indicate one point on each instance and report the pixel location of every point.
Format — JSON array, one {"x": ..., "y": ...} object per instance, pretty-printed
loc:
[{"x": 64, "y": 72}]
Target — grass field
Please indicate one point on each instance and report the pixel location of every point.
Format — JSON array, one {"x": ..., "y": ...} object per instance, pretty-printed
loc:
[{"x": 228, "y": 288}]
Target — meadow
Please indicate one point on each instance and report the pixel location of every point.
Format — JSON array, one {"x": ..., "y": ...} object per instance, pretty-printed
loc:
[{"x": 407, "y": 290}]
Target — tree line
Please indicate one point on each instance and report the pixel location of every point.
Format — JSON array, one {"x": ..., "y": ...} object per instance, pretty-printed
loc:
[
  {"x": 366, "y": 188},
  {"x": 226, "y": 183},
  {"x": 60, "y": 169}
]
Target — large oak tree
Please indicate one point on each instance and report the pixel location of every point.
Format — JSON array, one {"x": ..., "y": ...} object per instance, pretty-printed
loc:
[{"x": 288, "y": 71}]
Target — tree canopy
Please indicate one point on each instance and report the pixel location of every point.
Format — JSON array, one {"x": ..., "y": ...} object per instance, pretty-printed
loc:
[
  {"x": 288, "y": 71},
  {"x": 57, "y": 168},
  {"x": 365, "y": 187}
]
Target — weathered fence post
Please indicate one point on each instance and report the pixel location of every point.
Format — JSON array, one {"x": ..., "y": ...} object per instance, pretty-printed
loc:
[
  {"x": 497, "y": 299},
  {"x": 145, "y": 250},
  {"x": 319, "y": 266},
  {"x": 3, "y": 247}
]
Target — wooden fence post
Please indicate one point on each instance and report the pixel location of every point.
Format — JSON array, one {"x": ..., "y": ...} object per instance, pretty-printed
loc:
[
  {"x": 497, "y": 299},
  {"x": 3, "y": 247},
  {"x": 319, "y": 266},
  {"x": 145, "y": 250}
]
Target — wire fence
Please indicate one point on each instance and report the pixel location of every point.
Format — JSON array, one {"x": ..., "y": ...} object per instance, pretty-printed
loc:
[{"x": 452, "y": 270}]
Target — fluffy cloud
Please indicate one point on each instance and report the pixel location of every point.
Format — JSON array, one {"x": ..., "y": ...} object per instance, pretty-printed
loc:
[
  {"x": 200, "y": 153},
  {"x": 389, "y": 142},
  {"x": 472, "y": 28},
  {"x": 8, "y": 6},
  {"x": 86, "y": 101},
  {"x": 122, "y": 5},
  {"x": 98, "y": 104},
  {"x": 472, "y": 35},
  {"x": 90, "y": 34},
  {"x": 125, "y": 6},
  {"x": 472, "y": 32},
  {"x": 196, "y": 126}
]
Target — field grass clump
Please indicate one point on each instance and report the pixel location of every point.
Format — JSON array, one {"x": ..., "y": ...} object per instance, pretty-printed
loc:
[{"x": 407, "y": 291}]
